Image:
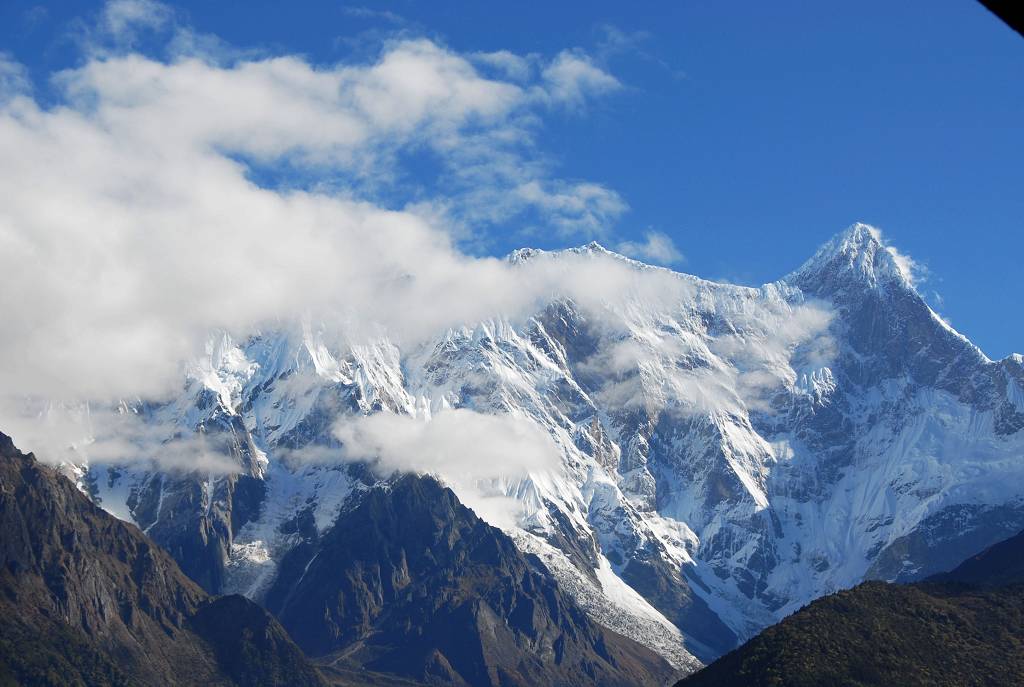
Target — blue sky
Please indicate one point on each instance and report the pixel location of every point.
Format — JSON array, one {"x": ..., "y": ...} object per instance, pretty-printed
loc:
[{"x": 747, "y": 132}]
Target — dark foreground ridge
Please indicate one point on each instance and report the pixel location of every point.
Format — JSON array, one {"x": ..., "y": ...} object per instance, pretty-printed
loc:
[
  {"x": 86, "y": 599},
  {"x": 409, "y": 587},
  {"x": 411, "y": 583},
  {"x": 965, "y": 627}
]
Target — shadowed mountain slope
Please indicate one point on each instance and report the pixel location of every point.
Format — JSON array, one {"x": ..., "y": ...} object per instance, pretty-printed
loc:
[
  {"x": 999, "y": 564},
  {"x": 965, "y": 627},
  {"x": 86, "y": 599},
  {"x": 412, "y": 583}
]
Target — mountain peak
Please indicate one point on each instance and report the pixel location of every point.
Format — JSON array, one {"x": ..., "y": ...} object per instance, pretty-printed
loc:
[
  {"x": 858, "y": 254},
  {"x": 521, "y": 255},
  {"x": 858, "y": 238}
]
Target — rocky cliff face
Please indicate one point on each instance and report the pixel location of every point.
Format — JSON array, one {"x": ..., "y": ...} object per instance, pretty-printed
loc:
[
  {"x": 86, "y": 599},
  {"x": 727, "y": 453},
  {"x": 410, "y": 582}
]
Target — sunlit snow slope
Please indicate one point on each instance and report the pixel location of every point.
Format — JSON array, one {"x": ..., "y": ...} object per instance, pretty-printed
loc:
[{"x": 727, "y": 453}]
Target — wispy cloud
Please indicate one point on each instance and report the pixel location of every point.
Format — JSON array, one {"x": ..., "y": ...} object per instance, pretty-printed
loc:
[
  {"x": 676, "y": 370},
  {"x": 122, "y": 19},
  {"x": 913, "y": 271},
  {"x": 615, "y": 42},
  {"x": 14, "y": 79},
  {"x": 656, "y": 247},
  {"x": 361, "y": 12},
  {"x": 34, "y": 16},
  {"x": 510, "y": 65},
  {"x": 572, "y": 78},
  {"x": 76, "y": 433}
]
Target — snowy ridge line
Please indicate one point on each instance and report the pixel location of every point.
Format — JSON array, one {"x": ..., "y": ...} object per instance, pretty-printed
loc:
[{"x": 751, "y": 448}]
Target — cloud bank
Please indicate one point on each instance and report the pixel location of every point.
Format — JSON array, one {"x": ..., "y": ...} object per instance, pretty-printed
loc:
[
  {"x": 476, "y": 454},
  {"x": 457, "y": 441},
  {"x": 135, "y": 220},
  {"x": 72, "y": 434},
  {"x": 161, "y": 198}
]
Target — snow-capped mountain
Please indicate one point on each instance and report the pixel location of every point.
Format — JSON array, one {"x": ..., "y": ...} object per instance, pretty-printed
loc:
[{"x": 725, "y": 454}]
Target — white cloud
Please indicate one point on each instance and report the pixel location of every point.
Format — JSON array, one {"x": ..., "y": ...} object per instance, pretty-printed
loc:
[
  {"x": 130, "y": 227},
  {"x": 60, "y": 433},
  {"x": 284, "y": 107},
  {"x": 121, "y": 23},
  {"x": 454, "y": 441},
  {"x": 656, "y": 247},
  {"x": 572, "y": 77},
  {"x": 480, "y": 456},
  {"x": 121, "y": 16},
  {"x": 574, "y": 207}
]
